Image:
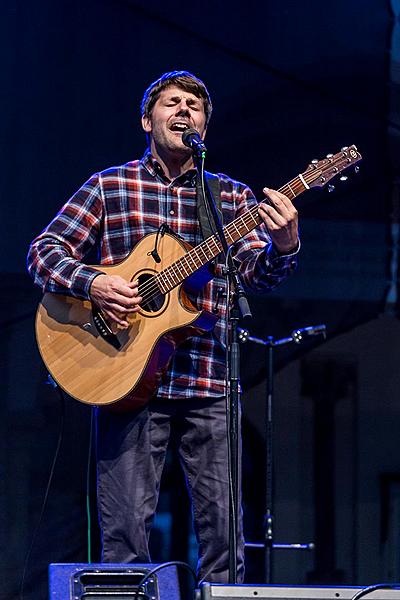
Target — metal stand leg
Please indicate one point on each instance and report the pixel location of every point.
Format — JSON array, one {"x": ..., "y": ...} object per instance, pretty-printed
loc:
[{"x": 268, "y": 544}]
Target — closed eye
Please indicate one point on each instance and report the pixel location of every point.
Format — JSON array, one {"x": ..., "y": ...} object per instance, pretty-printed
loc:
[{"x": 191, "y": 103}]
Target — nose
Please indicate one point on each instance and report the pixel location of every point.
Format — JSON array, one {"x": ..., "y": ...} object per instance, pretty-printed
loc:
[{"x": 182, "y": 107}]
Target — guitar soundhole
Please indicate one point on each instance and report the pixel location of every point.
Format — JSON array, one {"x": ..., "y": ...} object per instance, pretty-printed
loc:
[{"x": 153, "y": 299}]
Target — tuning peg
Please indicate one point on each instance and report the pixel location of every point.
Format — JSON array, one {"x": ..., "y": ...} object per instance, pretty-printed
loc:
[
  {"x": 343, "y": 178},
  {"x": 314, "y": 161},
  {"x": 356, "y": 169},
  {"x": 344, "y": 148},
  {"x": 330, "y": 155},
  {"x": 331, "y": 188}
]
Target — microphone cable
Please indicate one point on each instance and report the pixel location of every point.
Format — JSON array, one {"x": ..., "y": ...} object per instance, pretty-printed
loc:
[
  {"x": 88, "y": 468},
  {"x": 371, "y": 588},
  {"x": 172, "y": 563}
]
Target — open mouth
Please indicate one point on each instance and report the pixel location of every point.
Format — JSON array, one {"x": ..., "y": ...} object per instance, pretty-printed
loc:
[{"x": 179, "y": 126}]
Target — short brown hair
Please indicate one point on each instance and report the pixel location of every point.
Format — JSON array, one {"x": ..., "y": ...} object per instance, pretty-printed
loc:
[{"x": 183, "y": 79}]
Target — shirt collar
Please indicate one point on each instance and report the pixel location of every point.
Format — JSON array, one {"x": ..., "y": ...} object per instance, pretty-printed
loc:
[{"x": 187, "y": 179}]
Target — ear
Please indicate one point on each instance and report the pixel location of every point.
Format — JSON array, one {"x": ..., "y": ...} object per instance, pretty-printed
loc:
[{"x": 146, "y": 124}]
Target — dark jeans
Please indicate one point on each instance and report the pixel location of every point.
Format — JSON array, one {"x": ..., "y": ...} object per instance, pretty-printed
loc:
[{"x": 131, "y": 451}]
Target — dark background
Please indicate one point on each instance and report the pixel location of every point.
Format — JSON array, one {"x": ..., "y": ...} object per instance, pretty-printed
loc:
[{"x": 290, "y": 81}]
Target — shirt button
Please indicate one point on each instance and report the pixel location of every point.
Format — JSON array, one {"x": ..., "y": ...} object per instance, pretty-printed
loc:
[{"x": 171, "y": 212}]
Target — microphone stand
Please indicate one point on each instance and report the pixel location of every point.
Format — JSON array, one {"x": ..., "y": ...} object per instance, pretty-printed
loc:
[
  {"x": 297, "y": 336},
  {"x": 236, "y": 305}
]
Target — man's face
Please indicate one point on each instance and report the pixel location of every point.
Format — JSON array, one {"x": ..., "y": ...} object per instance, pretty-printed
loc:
[{"x": 174, "y": 111}]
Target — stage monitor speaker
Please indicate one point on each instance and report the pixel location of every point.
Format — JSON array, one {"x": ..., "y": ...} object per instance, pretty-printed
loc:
[
  {"x": 102, "y": 581},
  {"x": 214, "y": 591}
]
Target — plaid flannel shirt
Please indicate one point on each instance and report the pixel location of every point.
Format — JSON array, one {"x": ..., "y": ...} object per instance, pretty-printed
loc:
[{"x": 113, "y": 210}]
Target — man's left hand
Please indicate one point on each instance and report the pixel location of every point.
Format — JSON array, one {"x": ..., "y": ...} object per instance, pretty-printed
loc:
[{"x": 280, "y": 216}]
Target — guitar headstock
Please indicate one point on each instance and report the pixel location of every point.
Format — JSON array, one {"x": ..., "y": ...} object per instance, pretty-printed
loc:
[{"x": 320, "y": 172}]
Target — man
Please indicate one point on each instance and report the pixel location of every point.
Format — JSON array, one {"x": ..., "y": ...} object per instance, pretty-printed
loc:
[{"x": 114, "y": 209}]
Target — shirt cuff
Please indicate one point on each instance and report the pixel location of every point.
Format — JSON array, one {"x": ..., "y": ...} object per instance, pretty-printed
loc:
[
  {"x": 273, "y": 253},
  {"x": 82, "y": 281}
]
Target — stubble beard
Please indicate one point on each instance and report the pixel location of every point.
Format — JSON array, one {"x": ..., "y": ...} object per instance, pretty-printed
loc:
[{"x": 170, "y": 146}]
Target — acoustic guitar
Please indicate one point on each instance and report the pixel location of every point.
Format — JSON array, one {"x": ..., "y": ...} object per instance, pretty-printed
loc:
[{"x": 99, "y": 364}]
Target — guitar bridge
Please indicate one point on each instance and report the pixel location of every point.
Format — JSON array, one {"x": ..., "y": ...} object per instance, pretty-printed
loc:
[{"x": 104, "y": 329}]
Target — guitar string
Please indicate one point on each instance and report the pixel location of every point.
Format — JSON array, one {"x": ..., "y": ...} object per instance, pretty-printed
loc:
[
  {"x": 151, "y": 289},
  {"x": 191, "y": 261},
  {"x": 250, "y": 218}
]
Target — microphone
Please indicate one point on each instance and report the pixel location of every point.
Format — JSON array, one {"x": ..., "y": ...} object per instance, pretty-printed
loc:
[{"x": 191, "y": 138}]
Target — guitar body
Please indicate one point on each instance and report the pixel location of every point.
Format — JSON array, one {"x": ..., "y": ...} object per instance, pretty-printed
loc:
[{"x": 92, "y": 370}]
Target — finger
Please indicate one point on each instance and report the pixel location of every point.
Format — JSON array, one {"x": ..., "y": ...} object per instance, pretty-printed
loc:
[
  {"x": 271, "y": 225},
  {"x": 118, "y": 318},
  {"x": 272, "y": 217},
  {"x": 280, "y": 200},
  {"x": 126, "y": 311},
  {"x": 128, "y": 289},
  {"x": 128, "y": 302},
  {"x": 133, "y": 286},
  {"x": 275, "y": 206},
  {"x": 124, "y": 290},
  {"x": 277, "y": 195},
  {"x": 277, "y": 213},
  {"x": 123, "y": 304}
]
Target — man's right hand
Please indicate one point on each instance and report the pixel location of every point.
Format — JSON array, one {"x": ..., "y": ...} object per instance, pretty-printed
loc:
[{"x": 115, "y": 297}]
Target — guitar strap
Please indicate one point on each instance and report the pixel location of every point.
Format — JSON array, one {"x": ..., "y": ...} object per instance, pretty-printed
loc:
[{"x": 213, "y": 182}]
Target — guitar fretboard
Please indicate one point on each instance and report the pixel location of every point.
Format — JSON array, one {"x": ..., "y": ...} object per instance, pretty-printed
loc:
[
  {"x": 196, "y": 258},
  {"x": 317, "y": 174}
]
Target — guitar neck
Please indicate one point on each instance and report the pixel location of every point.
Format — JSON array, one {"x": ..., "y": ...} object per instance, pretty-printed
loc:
[{"x": 199, "y": 256}]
